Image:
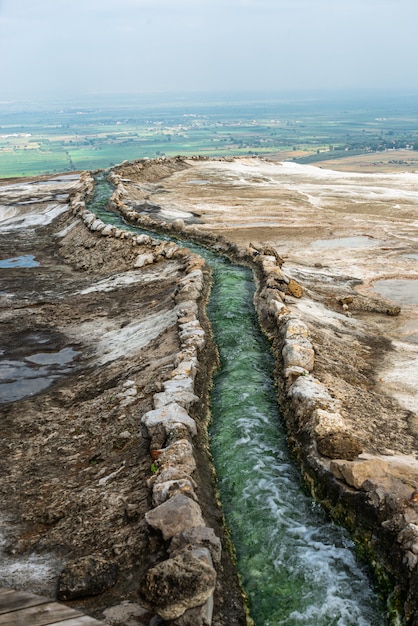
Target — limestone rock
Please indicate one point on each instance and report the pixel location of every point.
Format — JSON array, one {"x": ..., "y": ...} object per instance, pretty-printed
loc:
[
  {"x": 108, "y": 230},
  {"x": 326, "y": 423},
  {"x": 408, "y": 538},
  {"x": 295, "y": 328},
  {"x": 178, "y": 584},
  {"x": 181, "y": 397},
  {"x": 167, "y": 416},
  {"x": 299, "y": 354},
  {"x": 201, "y": 537},
  {"x": 293, "y": 372},
  {"x": 390, "y": 496},
  {"x": 87, "y": 576},
  {"x": 175, "y": 515},
  {"x": 340, "y": 445},
  {"x": 179, "y": 383},
  {"x": 163, "y": 491},
  {"x": 178, "y": 453},
  {"x": 143, "y": 240},
  {"x": 97, "y": 225},
  {"x": 295, "y": 289},
  {"x": 185, "y": 367},
  {"x": 170, "y": 472},
  {"x": 178, "y": 224},
  {"x": 199, "y": 616},
  {"x": 308, "y": 394},
  {"x": 355, "y": 473},
  {"x": 277, "y": 308},
  {"x": 144, "y": 259}
]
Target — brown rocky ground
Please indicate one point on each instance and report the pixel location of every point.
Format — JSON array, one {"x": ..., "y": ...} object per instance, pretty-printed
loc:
[{"x": 87, "y": 339}]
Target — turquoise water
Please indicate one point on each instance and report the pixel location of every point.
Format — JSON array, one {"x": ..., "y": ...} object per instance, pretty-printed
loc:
[{"x": 297, "y": 567}]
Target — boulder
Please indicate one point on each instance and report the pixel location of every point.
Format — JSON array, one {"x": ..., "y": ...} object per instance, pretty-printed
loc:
[
  {"x": 178, "y": 224},
  {"x": 340, "y": 445},
  {"x": 164, "y": 491},
  {"x": 292, "y": 373},
  {"x": 170, "y": 472},
  {"x": 355, "y": 473},
  {"x": 87, "y": 576},
  {"x": 298, "y": 353},
  {"x": 326, "y": 422},
  {"x": 295, "y": 328},
  {"x": 182, "y": 582},
  {"x": 168, "y": 416},
  {"x": 181, "y": 397},
  {"x": 180, "y": 382},
  {"x": 199, "y": 616},
  {"x": 308, "y": 394},
  {"x": 294, "y": 289},
  {"x": 175, "y": 515},
  {"x": 199, "y": 537},
  {"x": 144, "y": 259},
  {"x": 178, "y": 453}
]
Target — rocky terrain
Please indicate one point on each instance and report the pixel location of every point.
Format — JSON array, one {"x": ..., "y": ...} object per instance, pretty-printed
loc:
[
  {"x": 342, "y": 318},
  {"x": 102, "y": 459},
  {"x": 86, "y": 463}
]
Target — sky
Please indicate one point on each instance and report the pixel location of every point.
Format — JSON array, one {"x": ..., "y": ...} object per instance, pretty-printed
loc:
[{"x": 56, "y": 48}]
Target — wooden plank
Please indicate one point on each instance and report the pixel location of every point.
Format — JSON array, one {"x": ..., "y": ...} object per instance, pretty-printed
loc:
[
  {"x": 11, "y": 600},
  {"x": 43, "y": 615}
]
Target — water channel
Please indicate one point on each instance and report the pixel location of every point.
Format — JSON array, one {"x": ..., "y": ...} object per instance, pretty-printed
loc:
[{"x": 297, "y": 567}]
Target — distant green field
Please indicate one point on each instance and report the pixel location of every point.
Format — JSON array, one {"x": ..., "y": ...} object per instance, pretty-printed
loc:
[{"x": 44, "y": 139}]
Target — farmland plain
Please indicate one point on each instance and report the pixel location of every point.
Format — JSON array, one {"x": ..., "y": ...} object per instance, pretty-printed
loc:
[{"x": 92, "y": 133}]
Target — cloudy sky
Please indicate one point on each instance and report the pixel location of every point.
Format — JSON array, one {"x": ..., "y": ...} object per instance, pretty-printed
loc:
[{"x": 63, "y": 47}]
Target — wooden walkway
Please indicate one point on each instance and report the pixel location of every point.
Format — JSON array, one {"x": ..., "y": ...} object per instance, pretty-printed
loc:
[{"x": 19, "y": 608}]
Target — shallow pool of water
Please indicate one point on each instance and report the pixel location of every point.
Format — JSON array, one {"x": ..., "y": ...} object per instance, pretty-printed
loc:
[
  {"x": 26, "y": 260},
  {"x": 345, "y": 242},
  {"x": 20, "y": 378},
  {"x": 198, "y": 181},
  {"x": 402, "y": 290}
]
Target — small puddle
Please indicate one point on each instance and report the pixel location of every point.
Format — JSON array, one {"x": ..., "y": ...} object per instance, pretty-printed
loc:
[
  {"x": 345, "y": 242},
  {"x": 27, "y": 260},
  {"x": 402, "y": 290},
  {"x": 20, "y": 378},
  {"x": 198, "y": 181},
  {"x": 410, "y": 331}
]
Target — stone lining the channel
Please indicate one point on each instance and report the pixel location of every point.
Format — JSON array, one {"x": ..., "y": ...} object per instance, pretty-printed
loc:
[
  {"x": 194, "y": 549},
  {"x": 375, "y": 497}
]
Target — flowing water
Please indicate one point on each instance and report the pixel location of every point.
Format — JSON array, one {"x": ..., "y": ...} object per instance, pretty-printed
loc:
[{"x": 297, "y": 567}]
